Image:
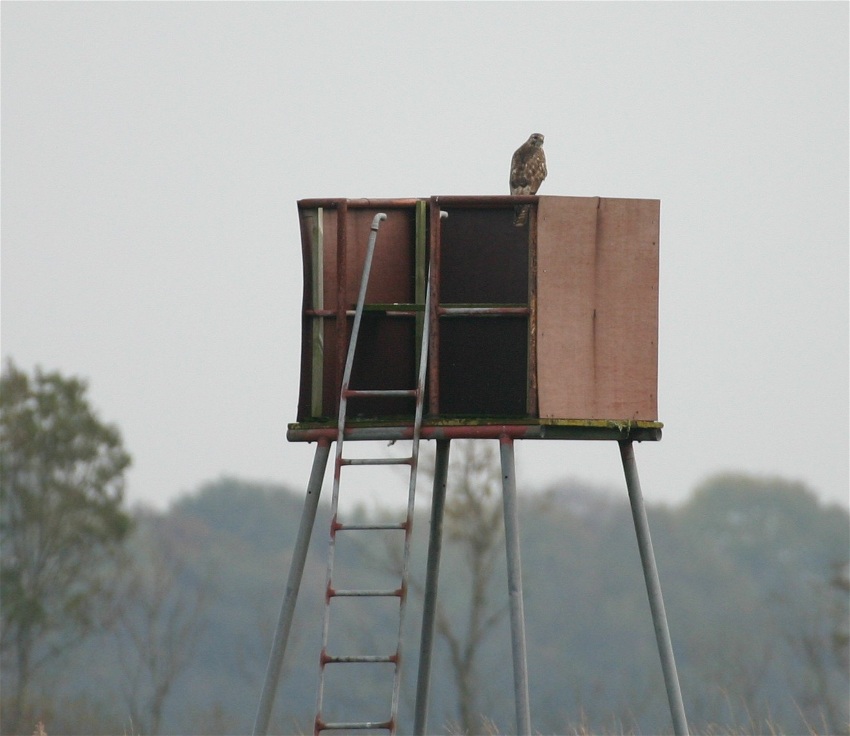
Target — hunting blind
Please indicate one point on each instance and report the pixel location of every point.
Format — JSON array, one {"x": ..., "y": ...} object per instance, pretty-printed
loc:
[{"x": 440, "y": 319}]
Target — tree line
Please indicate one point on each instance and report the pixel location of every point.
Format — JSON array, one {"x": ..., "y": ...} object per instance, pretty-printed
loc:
[{"x": 132, "y": 621}]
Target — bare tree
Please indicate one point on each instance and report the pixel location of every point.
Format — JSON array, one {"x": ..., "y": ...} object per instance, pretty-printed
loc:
[
  {"x": 473, "y": 524},
  {"x": 839, "y": 584},
  {"x": 820, "y": 641},
  {"x": 158, "y": 619}
]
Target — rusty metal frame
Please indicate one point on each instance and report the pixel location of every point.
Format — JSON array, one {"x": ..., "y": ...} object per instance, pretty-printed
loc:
[
  {"x": 531, "y": 385},
  {"x": 466, "y": 428},
  {"x": 341, "y": 291},
  {"x": 340, "y": 312},
  {"x": 442, "y": 311},
  {"x": 503, "y": 200},
  {"x": 454, "y": 200},
  {"x": 362, "y": 203},
  {"x": 435, "y": 239}
]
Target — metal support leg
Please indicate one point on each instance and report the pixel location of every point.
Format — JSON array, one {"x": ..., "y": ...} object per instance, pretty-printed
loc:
[
  {"x": 653, "y": 589},
  {"x": 293, "y": 583},
  {"x": 429, "y": 612},
  {"x": 523, "y": 711}
]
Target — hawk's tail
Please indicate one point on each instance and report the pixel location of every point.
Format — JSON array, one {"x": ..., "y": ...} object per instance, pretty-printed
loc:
[{"x": 521, "y": 214}]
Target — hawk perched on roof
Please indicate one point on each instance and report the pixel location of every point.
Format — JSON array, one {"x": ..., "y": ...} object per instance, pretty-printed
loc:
[{"x": 528, "y": 170}]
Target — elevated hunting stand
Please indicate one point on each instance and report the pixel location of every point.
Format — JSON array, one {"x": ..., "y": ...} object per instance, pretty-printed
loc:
[{"x": 473, "y": 328}]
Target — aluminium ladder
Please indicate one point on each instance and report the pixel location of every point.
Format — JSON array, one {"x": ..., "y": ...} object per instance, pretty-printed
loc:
[{"x": 327, "y": 659}]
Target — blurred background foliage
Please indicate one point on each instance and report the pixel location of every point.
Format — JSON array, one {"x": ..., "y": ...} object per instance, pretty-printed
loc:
[{"x": 184, "y": 603}]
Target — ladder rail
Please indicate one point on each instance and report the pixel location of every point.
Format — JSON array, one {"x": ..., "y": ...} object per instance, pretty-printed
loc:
[
  {"x": 411, "y": 492},
  {"x": 355, "y": 328}
]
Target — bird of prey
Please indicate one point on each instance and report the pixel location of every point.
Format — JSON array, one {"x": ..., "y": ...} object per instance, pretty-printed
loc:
[{"x": 528, "y": 170}]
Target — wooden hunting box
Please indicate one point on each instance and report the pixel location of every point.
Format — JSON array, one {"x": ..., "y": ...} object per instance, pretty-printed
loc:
[{"x": 552, "y": 323}]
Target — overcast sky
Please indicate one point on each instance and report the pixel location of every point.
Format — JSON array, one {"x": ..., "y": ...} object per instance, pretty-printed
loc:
[{"x": 153, "y": 153}]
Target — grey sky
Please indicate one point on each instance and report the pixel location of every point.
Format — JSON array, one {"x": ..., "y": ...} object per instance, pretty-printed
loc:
[{"x": 152, "y": 154}]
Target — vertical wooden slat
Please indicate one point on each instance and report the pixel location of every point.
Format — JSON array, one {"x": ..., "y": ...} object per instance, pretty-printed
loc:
[
  {"x": 420, "y": 270},
  {"x": 305, "y": 223},
  {"x": 330, "y": 392},
  {"x": 318, "y": 323}
]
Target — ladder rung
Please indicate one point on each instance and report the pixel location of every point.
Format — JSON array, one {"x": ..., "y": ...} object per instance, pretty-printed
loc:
[
  {"x": 363, "y": 392},
  {"x": 369, "y": 527},
  {"x": 366, "y": 593},
  {"x": 361, "y": 659},
  {"x": 354, "y": 725},
  {"x": 376, "y": 460}
]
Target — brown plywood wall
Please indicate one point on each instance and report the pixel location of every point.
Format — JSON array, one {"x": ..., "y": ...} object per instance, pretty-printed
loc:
[
  {"x": 391, "y": 280},
  {"x": 332, "y": 255},
  {"x": 597, "y": 308},
  {"x": 585, "y": 270}
]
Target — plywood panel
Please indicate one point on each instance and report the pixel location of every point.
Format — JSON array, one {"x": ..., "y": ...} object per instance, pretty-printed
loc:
[
  {"x": 310, "y": 383},
  {"x": 329, "y": 220},
  {"x": 626, "y": 350},
  {"x": 392, "y": 276},
  {"x": 597, "y": 270},
  {"x": 566, "y": 239}
]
